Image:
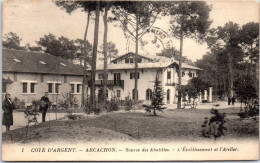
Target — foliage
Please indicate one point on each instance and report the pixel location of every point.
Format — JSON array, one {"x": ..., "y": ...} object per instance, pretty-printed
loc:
[
  {"x": 88, "y": 106},
  {"x": 12, "y": 41},
  {"x": 214, "y": 125},
  {"x": 188, "y": 19},
  {"x": 79, "y": 43},
  {"x": 69, "y": 101},
  {"x": 112, "y": 104},
  {"x": 32, "y": 112},
  {"x": 191, "y": 18},
  {"x": 246, "y": 88},
  {"x": 128, "y": 104},
  {"x": 192, "y": 90},
  {"x": 18, "y": 104},
  {"x": 111, "y": 49},
  {"x": 157, "y": 97},
  {"x": 174, "y": 53},
  {"x": 33, "y": 48},
  {"x": 60, "y": 47}
]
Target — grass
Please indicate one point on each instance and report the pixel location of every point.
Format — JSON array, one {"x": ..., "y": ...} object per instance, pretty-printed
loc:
[{"x": 170, "y": 125}]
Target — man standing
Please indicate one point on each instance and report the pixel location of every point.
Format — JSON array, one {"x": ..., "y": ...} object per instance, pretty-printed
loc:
[{"x": 45, "y": 105}]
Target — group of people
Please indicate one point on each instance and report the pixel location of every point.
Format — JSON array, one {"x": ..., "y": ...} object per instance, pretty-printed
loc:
[{"x": 8, "y": 107}]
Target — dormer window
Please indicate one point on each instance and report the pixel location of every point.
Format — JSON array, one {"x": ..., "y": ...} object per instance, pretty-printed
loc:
[
  {"x": 190, "y": 74},
  {"x": 17, "y": 60},
  {"x": 42, "y": 62},
  {"x": 62, "y": 64},
  {"x": 129, "y": 60}
]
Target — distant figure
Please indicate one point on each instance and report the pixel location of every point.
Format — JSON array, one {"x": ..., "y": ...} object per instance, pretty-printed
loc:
[
  {"x": 233, "y": 100},
  {"x": 229, "y": 101},
  {"x": 8, "y": 107},
  {"x": 44, "y": 105}
]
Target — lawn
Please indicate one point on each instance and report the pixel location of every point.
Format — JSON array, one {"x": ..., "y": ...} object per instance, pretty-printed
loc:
[{"x": 136, "y": 126}]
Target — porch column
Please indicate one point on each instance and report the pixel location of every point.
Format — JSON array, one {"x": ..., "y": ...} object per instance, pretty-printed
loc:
[
  {"x": 210, "y": 94},
  {"x": 205, "y": 95},
  {"x": 200, "y": 97}
]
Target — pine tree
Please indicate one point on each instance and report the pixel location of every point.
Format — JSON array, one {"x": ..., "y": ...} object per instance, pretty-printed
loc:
[{"x": 157, "y": 97}]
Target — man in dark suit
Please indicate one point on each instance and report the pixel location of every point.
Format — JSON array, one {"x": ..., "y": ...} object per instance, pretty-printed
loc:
[{"x": 45, "y": 107}]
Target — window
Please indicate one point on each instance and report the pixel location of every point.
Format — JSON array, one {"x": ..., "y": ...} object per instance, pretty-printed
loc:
[
  {"x": 25, "y": 87},
  {"x": 57, "y": 87},
  {"x": 190, "y": 74},
  {"x": 75, "y": 87},
  {"x": 53, "y": 87},
  {"x": 117, "y": 78},
  {"x": 133, "y": 94},
  {"x": 17, "y": 60},
  {"x": 183, "y": 74},
  {"x": 139, "y": 60},
  {"x": 63, "y": 64},
  {"x": 168, "y": 74},
  {"x": 50, "y": 87},
  {"x": 127, "y": 60},
  {"x": 42, "y": 62},
  {"x": 132, "y": 75},
  {"x": 78, "y": 88},
  {"x": 100, "y": 76},
  {"x": 118, "y": 93},
  {"x": 148, "y": 94},
  {"x": 32, "y": 88},
  {"x": 106, "y": 93},
  {"x": 28, "y": 86}
]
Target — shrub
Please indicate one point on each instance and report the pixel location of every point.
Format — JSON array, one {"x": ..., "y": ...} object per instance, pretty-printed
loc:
[
  {"x": 18, "y": 104},
  {"x": 88, "y": 106},
  {"x": 214, "y": 125},
  {"x": 247, "y": 90},
  {"x": 69, "y": 101},
  {"x": 128, "y": 103}
]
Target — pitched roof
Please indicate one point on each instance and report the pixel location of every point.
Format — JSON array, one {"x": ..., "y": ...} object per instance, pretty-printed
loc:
[
  {"x": 34, "y": 62},
  {"x": 130, "y": 54},
  {"x": 157, "y": 62},
  {"x": 146, "y": 65}
]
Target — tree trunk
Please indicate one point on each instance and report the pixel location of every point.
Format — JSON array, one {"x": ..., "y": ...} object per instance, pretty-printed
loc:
[
  {"x": 230, "y": 84},
  {"x": 84, "y": 82},
  {"x": 180, "y": 69},
  {"x": 136, "y": 53},
  {"x": 105, "y": 54},
  {"x": 94, "y": 57}
]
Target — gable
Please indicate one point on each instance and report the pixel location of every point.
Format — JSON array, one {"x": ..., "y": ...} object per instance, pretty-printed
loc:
[{"x": 129, "y": 58}]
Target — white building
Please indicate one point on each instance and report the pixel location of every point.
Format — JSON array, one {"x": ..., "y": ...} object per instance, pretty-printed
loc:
[{"x": 121, "y": 77}]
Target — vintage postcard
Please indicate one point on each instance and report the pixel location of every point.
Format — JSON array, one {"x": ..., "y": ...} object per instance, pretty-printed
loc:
[{"x": 130, "y": 80}]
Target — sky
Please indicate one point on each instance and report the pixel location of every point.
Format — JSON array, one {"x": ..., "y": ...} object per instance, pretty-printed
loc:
[{"x": 32, "y": 19}]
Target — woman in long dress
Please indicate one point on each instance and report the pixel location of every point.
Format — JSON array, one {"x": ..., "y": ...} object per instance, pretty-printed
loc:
[{"x": 8, "y": 107}]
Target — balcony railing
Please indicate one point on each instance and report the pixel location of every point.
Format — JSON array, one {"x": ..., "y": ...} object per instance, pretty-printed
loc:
[
  {"x": 170, "y": 84},
  {"x": 110, "y": 83}
]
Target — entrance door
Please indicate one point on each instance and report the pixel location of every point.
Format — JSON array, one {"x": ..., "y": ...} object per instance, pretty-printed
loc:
[{"x": 168, "y": 96}]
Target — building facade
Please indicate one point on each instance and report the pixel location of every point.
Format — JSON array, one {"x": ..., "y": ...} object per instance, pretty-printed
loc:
[
  {"x": 28, "y": 75},
  {"x": 121, "y": 77}
]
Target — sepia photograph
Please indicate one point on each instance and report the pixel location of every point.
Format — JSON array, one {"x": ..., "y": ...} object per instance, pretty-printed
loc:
[{"x": 130, "y": 80}]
